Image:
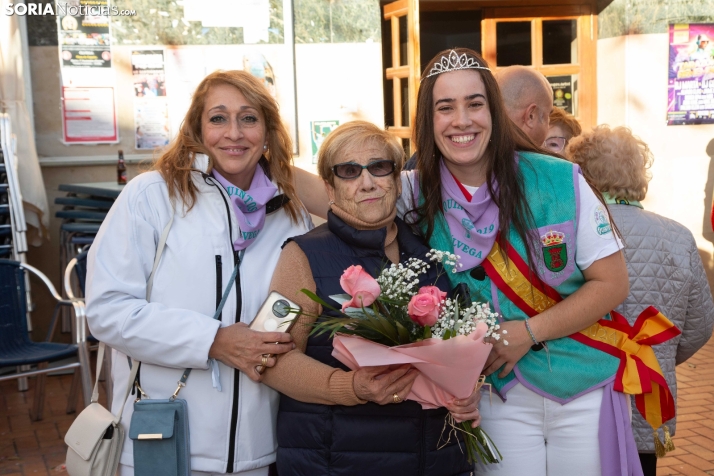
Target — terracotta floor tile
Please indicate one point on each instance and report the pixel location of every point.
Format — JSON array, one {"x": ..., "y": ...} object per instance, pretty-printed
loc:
[
  {"x": 685, "y": 433},
  {"x": 667, "y": 461},
  {"x": 697, "y": 462},
  {"x": 26, "y": 443},
  {"x": 704, "y": 452},
  {"x": 704, "y": 431},
  {"x": 689, "y": 470}
]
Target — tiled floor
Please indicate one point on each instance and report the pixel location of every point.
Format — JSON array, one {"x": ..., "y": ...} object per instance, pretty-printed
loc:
[{"x": 28, "y": 448}]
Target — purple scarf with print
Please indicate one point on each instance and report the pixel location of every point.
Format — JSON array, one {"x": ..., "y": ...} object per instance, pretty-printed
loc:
[
  {"x": 249, "y": 205},
  {"x": 473, "y": 224}
]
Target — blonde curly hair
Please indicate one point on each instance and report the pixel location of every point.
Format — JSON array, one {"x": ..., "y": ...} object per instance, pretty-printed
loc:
[{"x": 614, "y": 161}]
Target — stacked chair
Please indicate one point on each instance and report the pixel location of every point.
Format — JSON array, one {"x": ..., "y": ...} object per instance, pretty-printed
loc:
[{"x": 17, "y": 350}]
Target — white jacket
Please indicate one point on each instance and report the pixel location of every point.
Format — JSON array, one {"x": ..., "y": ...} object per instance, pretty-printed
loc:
[{"x": 175, "y": 330}]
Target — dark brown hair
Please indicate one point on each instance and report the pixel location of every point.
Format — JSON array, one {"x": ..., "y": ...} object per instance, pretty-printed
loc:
[
  {"x": 176, "y": 163},
  {"x": 506, "y": 139}
]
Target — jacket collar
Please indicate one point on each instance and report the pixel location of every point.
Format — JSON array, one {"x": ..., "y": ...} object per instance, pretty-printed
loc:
[{"x": 365, "y": 239}]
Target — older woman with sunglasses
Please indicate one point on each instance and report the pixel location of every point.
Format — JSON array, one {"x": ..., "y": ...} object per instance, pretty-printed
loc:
[{"x": 332, "y": 420}]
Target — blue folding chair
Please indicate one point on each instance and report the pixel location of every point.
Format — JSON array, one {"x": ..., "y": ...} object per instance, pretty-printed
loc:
[{"x": 16, "y": 348}]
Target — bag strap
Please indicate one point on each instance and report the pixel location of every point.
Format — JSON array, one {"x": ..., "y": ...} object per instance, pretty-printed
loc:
[
  {"x": 149, "y": 285},
  {"x": 95, "y": 391},
  {"x": 216, "y": 315},
  {"x": 159, "y": 252}
]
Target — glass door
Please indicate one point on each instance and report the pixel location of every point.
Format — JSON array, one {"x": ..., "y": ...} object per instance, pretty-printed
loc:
[{"x": 557, "y": 41}]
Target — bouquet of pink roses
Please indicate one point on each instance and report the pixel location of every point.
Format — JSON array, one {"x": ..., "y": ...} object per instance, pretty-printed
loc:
[{"x": 389, "y": 320}]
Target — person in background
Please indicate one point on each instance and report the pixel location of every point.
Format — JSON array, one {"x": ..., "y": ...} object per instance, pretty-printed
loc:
[
  {"x": 563, "y": 127},
  {"x": 528, "y": 98},
  {"x": 663, "y": 261},
  {"x": 223, "y": 192},
  {"x": 333, "y": 420}
]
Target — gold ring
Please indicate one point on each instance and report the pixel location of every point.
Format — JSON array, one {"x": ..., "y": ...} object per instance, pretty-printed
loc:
[
  {"x": 396, "y": 398},
  {"x": 264, "y": 360}
]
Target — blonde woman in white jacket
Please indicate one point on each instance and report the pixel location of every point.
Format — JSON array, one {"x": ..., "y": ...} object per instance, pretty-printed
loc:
[{"x": 227, "y": 181}]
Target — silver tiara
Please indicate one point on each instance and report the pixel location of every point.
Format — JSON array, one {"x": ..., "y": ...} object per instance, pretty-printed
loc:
[{"x": 454, "y": 62}]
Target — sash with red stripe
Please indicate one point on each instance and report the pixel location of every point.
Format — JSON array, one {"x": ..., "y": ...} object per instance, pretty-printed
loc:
[{"x": 639, "y": 372}]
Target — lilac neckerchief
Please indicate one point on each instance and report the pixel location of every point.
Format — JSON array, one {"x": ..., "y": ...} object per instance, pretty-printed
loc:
[
  {"x": 473, "y": 224},
  {"x": 249, "y": 206}
]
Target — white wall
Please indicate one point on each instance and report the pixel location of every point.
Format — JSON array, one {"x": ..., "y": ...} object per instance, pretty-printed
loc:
[
  {"x": 632, "y": 91},
  {"x": 340, "y": 81}
]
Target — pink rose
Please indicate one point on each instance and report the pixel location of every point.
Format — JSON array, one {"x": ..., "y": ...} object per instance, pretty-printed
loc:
[
  {"x": 433, "y": 291},
  {"x": 424, "y": 309},
  {"x": 363, "y": 288}
]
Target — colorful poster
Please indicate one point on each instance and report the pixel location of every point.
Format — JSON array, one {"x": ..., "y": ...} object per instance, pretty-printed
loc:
[
  {"x": 88, "y": 115},
  {"x": 691, "y": 74},
  {"x": 83, "y": 30},
  {"x": 319, "y": 132},
  {"x": 151, "y": 114},
  {"x": 562, "y": 92}
]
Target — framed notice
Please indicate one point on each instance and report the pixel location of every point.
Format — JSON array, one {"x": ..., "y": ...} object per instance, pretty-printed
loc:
[
  {"x": 319, "y": 132},
  {"x": 690, "y": 97},
  {"x": 88, "y": 115},
  {"x": 562, "y": 92},
  {"x": 83, "y": 31}
]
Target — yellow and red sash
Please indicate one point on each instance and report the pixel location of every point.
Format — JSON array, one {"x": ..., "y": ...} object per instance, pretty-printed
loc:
[{"x": 639, "y": 372}]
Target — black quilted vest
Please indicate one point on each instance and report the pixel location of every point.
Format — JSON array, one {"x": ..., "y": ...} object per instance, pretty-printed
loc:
[{"x": 369, "y": 439}]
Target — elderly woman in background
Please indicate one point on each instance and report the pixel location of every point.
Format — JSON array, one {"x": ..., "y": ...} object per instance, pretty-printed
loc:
[
  {"x": 662, "y": 258},
  {"x": 563, "y": 127},
  {"x": 333, "y": 420},
  {"x": 223, "y": 192}
]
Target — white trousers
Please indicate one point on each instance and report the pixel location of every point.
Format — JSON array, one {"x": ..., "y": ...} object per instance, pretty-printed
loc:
[
  {"x": 540, "y": 437},
  {"x": 125, "y": 470}
]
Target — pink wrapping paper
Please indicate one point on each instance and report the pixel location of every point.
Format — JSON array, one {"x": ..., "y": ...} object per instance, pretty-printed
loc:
[{"x": 448, "y": 369}]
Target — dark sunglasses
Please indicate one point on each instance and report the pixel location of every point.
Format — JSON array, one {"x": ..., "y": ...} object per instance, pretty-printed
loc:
[{"x": 352, "y": 170}]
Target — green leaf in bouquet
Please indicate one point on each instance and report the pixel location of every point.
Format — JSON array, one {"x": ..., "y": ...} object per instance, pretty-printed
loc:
[
  {"x": 382, "y": 325},
  {"x": 427, "y": 332},
  {"x": 317, "y": 299},
  {"x": 447, "y": 334},
  {"x": 403, "y": 333}
]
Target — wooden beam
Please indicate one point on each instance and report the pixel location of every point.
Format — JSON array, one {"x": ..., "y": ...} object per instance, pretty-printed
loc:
[
  {"x": 395, "y": 42},
  {"x": 398, "y": 72},
  {"x": 396, "y": 9},
  {"x": 401, "y": 132}
]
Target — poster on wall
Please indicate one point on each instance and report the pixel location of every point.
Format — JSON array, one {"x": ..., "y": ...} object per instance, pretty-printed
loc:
[
  {"x": 83, "y": 30},
  {"x": 319, "y": 130},
  {"x": 88, "y": 85},
  {"x": 691, "y": 74},
  {"x": 88, "y": 115},
  {"x": 562, "y": 92},
  {"x": 151, "y": 114}
]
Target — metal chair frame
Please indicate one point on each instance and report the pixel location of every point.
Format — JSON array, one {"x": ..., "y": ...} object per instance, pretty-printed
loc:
[
  {"x": 70, "y": 271},
  {"x": 79, "y": 341}
]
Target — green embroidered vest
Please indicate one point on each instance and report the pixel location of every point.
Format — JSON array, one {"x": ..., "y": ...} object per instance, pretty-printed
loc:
[{"x": 550, "y": 186}]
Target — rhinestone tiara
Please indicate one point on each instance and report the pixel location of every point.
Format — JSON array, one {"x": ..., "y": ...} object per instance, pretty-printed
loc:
[{"x": 454, "y": 62}]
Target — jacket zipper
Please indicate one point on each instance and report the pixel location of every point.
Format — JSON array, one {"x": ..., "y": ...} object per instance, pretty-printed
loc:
[
  {"x": 236, "y": 379},
  {"x": 219, "y": 282},
  {"x": 239, "y": 303}
]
